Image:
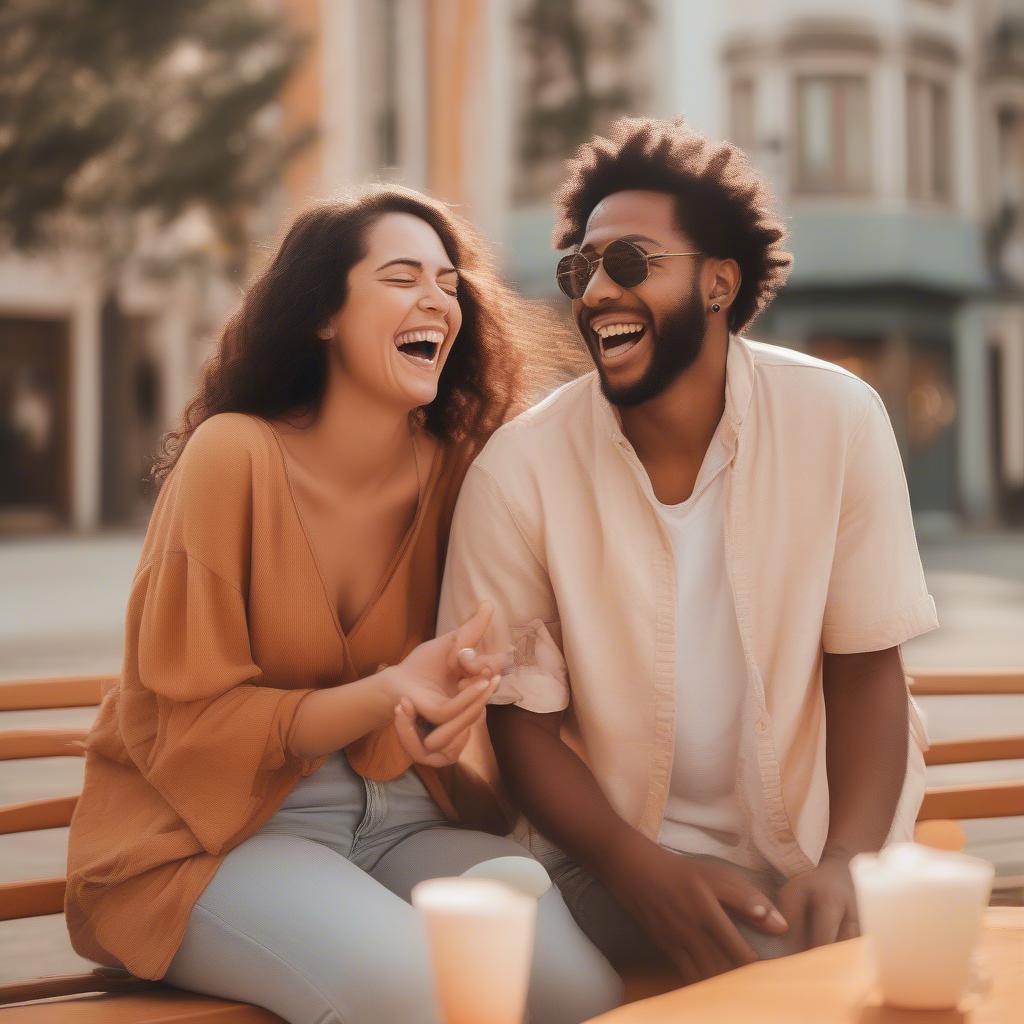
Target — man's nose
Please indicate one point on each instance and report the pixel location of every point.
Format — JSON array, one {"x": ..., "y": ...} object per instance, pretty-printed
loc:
[{"x": 600, "y": 288}]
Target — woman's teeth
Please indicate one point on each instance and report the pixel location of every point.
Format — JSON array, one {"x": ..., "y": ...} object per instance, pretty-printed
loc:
[{"x": 420, "y": 346}]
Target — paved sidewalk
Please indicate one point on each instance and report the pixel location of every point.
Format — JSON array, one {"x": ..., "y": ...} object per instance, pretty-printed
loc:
[{"x": 62, "y": 604}]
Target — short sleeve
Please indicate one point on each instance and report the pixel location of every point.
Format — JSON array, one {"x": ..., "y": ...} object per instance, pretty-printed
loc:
[
  {"x": 490, "y": 559},
  {"x": 877, "y": 594}
]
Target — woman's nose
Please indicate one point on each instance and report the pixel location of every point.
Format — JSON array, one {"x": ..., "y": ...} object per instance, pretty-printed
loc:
[{"x": 434, "y": 299}]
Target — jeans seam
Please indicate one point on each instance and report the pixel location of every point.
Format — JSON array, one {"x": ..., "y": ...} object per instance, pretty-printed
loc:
[
  {"x": 376, "y": 810},
  {"x": 276, "y": 956}
]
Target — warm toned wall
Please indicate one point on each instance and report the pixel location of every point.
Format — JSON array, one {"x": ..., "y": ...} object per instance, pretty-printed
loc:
[
  {"x": 454, "y": 44},
  {"x": 301, "y": 103}
]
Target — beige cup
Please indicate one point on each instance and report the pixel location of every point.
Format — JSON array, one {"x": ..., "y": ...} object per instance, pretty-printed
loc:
[
  {"x": 480, "y": 933},
  {"x": 921, "y": 911}
]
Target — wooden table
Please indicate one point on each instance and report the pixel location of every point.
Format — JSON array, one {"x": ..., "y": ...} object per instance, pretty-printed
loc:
[{"x": 832, "y": 985}]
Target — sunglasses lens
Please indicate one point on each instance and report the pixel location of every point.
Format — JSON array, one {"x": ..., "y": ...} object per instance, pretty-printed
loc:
[
  {"x": 573, "y": 274},
  {"x": 625, "y": 264}
]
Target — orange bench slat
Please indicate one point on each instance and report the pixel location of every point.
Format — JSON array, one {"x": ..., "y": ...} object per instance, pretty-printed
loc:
[
  {"x": 23, "y": 744},
  {"x": 31, "y": 899},
  {"x": 54, "y": 812},
  {"x": 63, "y": 692}
]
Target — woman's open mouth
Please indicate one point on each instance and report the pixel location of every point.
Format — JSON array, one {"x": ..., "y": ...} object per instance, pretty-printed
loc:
[
  {"x": 617, "y": 339},
  {"x": 420, "y": 347}
]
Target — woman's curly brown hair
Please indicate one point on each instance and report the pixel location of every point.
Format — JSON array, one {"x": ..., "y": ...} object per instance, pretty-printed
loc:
[
  {"x": 721, "y": 202},
  {"x": 270, "y": 361}
]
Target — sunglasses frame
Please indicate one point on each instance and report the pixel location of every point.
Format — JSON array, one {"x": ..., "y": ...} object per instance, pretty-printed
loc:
[{"x": 592, "y": 264}]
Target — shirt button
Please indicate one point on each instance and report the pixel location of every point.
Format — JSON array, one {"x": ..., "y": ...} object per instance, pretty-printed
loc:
[{"x": 762, "y": 726}]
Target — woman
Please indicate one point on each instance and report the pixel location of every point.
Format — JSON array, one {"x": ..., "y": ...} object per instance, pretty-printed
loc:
[{"x": 249, "y": 827}]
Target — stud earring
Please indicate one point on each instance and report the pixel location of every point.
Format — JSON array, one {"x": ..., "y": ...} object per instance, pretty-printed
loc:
[{"x": 715, "y": 307}]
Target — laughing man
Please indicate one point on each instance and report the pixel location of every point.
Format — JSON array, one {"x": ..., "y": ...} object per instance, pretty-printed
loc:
[{"x": 705, "y": 556}]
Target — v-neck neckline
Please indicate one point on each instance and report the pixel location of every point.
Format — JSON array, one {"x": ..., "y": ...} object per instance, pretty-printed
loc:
[{"x": 346, "y": 636}]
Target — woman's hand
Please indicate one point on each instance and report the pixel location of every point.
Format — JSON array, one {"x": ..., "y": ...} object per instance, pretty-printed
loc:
[
  {"x": 446, "y": 683},
  {"x": 449, "y": 723},
  {"x": 439, "y": 665}
]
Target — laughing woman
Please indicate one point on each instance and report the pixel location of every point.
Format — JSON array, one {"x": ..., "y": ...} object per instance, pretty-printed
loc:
[{"x": 259, "y": 795}]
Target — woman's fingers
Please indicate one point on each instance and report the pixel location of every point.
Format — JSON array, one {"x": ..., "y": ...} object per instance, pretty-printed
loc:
[
  {"x": 441, "y": 710},
  {"x": 445, "y": 734},
  {"x": 408, "y": 735},
  {"x": 454, "y": 750},
  {"x": 472, "y": 663},
  {"x": 467, "y": 636}
]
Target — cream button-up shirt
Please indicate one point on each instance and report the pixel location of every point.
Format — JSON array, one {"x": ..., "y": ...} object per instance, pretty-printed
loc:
[{"x": 556, "y": 524}]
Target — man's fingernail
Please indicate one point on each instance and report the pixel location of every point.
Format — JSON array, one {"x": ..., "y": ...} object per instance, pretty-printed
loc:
[
  {"x": 482, "y": 685},
  {"x": 778, "y": 918},
  {"x": 467, "y": 653},
  {"x": 759, "y": 911},
  {"x": 399, "y": 709}
]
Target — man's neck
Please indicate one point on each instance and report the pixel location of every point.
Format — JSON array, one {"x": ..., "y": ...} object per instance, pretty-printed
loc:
[{"x": 680, "y": 422}]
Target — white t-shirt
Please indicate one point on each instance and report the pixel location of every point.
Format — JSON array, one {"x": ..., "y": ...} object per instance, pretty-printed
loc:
[{"x": 703, "y": 814}]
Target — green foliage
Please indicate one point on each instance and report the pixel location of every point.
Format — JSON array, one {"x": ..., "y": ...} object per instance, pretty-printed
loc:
[
  {"x": 110, "y": 109},
  {"x": 569, "y": 97}
]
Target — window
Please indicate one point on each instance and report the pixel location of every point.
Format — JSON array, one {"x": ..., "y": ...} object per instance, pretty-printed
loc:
[
  {"x": 833, "y": 143},
  {"x": 742, "y": 114},
  {"x": 928, "y": 140}
]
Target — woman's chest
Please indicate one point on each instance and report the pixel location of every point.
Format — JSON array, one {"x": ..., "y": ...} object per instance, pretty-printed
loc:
[{"x": 356, "y": 540}]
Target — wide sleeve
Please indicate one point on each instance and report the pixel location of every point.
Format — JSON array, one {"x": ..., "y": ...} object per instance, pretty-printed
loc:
[
  {"x": 193, "y": 713},
  {"x": 491, "y": 559},
  {"x": 877, "y": 594}
]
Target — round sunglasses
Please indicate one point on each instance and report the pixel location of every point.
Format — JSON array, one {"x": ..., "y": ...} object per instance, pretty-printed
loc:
[{"x": 624, "y": 262}]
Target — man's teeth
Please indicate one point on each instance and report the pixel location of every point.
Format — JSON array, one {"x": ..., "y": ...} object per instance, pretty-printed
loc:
[
  {"x": 626, "y": 335},
  {"x": 611, "y": 330}
]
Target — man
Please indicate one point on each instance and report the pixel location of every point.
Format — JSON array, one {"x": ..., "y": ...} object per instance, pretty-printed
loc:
[{"x": 705, "y": 555}]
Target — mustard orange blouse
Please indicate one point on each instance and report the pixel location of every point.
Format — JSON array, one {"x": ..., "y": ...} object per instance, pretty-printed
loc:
[{"x": 229, "y": 627}]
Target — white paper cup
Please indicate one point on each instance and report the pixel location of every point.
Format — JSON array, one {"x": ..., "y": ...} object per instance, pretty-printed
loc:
[
  {"x": 480, "y": 933},
  {"x": 920, "y": 911}
]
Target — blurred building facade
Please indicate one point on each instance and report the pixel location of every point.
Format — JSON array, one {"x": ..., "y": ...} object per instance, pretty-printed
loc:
[
  {"x": 87, "y": 388},
  {"x": 893, "y": 135}
]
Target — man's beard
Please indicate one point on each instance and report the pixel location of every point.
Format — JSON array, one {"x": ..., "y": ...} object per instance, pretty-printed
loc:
[{"x": 675, "y": 348}]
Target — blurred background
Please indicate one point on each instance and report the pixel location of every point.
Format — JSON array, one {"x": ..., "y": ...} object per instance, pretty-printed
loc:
[{"x": 151, "y": 154}]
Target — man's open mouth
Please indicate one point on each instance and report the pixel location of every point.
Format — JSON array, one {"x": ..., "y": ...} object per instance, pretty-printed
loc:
[
  {"x": 420, "y": 346},
  {"x": 618, "y": 338}
]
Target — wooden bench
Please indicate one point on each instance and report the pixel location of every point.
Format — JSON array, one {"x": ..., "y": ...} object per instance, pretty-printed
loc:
[{"x": 113, "y": 996}]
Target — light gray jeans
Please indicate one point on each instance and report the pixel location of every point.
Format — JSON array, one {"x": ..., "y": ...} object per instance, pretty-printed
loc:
[{"x": 310, "y": 917}]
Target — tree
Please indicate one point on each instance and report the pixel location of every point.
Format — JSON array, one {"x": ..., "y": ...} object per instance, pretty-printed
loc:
[
  {"x": 580, "y": 76},
  {"x": 118, "y": 119},
  {"x": 114, "y": 111}
]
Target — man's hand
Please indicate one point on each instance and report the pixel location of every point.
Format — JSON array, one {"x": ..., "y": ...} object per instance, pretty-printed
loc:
[
  {"x": 820, "y": 904},
  {"x": 679, "y": 902}
]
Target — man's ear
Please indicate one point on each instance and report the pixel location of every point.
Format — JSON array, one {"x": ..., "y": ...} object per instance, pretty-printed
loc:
[{"x": 725, "y": 283}]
